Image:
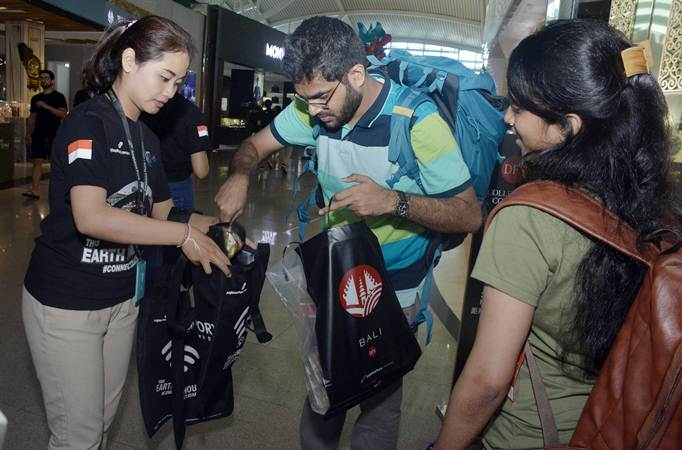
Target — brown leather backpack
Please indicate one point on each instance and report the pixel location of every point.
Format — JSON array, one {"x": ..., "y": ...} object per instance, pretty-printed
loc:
[{"x": 636, "y": 401}]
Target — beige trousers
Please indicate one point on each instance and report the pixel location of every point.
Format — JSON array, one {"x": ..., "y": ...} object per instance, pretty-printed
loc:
[{"x": 81, "y": 359}]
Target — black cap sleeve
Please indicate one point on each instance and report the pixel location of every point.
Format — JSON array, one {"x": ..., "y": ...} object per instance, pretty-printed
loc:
[{"x": 80, "y": 148}]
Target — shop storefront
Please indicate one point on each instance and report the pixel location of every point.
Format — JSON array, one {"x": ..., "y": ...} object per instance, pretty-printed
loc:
[
  {"x": 62, "y": 34},
  {"x": 243, "y": 70},
  {"x": 31, "y": 27}
]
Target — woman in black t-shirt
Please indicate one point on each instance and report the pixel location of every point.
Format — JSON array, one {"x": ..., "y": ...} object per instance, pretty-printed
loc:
[{"x": 108, "y": 195}]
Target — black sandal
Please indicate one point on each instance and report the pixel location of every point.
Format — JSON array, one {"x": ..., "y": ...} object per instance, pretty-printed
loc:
[{"x": 31, "y": 195}]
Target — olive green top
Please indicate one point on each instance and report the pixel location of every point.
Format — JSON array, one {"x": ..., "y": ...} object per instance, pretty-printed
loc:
[{"x": 534, "y": 257}]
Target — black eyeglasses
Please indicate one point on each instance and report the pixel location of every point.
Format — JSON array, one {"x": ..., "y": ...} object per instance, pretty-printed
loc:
[{"x": 321, "y": 105}]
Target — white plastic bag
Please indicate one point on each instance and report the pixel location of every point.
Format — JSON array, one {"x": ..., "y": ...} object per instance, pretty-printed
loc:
[{"x": 288, "y": 279}]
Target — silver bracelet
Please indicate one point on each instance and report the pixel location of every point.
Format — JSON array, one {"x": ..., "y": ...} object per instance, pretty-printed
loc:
[{"x": 187, "y": 236}]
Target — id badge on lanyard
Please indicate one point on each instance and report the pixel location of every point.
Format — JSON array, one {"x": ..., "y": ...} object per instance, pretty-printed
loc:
[
  {"x": 142, "y": 206},
  {"x": 140, "y": 279}
]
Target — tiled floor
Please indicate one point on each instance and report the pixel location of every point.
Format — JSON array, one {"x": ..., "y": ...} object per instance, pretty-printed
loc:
[{"x": 268, "y": 377}]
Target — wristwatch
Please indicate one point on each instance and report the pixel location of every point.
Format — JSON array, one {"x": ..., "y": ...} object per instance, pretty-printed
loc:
[{"x": 402, "y": 208}]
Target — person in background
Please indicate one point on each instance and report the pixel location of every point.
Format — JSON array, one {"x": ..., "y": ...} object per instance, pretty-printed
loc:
[
  {"x": 252, "y": 116},
  {"x": 84, "y": 94},
  {"x": 108, "y": 196},
  {"x": 265, "y": 115},
  {"x": 47, "y": 111},
  {"x": 284, "y": 156},
  {"x": 600, "y": 127},
  {"x": 183, "y": 134}
]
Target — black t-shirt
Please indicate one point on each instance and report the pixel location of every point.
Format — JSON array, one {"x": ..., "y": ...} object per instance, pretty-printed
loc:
[
  {"x": 265, "y": 116},
  {"x": 82, "y": 96},
  {"x": 182, "y": 130},
  {"x": 68, "y": 269},
  {"x": 46, "y": 122}
]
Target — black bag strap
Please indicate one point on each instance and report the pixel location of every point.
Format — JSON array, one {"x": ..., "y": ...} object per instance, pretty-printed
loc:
[
  {"x": 177, "y": 354},
  {"x": 179, "y": 316},
  {"x": 257, "y": 280},
  {"x": 550, "y": 435}
]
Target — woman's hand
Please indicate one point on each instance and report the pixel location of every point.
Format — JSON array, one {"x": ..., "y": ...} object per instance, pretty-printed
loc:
[{"x": 200, "y": 249}]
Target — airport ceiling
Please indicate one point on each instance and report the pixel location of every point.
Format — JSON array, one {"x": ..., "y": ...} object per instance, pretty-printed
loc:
[{"x": 454, "y": 23}]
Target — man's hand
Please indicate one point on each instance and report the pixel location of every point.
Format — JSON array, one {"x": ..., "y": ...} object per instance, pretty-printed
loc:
[
  {"x": 231, "y": 197},
  {"x": 58, "y": 112},
  {"x": 366, "y": 199},
  {"x": 202, "y": 222}
]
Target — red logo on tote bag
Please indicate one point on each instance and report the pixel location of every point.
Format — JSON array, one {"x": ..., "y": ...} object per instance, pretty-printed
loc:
[{"x": 360, "y": 290}]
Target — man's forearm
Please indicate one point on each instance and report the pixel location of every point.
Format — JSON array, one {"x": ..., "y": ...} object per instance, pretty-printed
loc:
[
  {"x": 245, "y": 160},
  {"x": 57, "y": 112},
  {"x": 449, "y": 215}
]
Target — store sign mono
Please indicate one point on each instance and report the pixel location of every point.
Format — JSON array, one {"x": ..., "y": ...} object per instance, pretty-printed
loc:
[{"x": 274, "y": 51}]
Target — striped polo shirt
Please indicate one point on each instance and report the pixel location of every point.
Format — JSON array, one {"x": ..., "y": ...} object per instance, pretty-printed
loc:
[{"x": 363, "y": 149}]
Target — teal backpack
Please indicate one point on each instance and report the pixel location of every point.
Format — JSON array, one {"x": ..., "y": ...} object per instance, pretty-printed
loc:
[{"x": 466, "y": 101}]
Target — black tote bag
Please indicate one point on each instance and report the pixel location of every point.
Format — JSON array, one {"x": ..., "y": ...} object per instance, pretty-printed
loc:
[
  {"x": 364, "y": 340},
  {"x": 204, "y": 331}
]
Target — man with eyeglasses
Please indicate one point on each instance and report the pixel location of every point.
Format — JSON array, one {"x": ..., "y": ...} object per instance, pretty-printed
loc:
[{"x": 326, "y": 61}]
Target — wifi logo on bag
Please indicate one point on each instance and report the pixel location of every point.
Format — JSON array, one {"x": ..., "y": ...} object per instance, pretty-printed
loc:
[
  {"x": 190, "y": 357},
  {"x": 240, "y": 335},
  {"x": 360, "y": 290},
  {"x": 240, "y": 327}
]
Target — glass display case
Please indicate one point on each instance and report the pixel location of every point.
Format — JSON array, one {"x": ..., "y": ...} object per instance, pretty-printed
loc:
[{"x": 232, "y": 122}]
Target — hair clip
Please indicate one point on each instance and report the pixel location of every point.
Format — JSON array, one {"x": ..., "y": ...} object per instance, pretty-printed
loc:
[
  {"x": 637, "y": 60},
  {"x": 130, "y": 24}
]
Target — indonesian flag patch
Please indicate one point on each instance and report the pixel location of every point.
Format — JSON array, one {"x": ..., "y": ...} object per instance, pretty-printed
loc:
[
  {"x": 202, "y": 130},
  {"x": 81, "y": 148}
]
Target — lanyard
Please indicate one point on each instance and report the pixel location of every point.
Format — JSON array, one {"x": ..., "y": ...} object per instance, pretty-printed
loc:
[{"x": 141, "y": 187}]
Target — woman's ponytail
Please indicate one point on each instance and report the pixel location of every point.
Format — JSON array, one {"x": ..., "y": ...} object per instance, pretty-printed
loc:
[
  {"x": 150, "y": 37},
  {"x": 102, "y": 69}
]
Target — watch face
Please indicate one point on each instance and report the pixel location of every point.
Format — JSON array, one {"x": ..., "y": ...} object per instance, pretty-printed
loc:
[{"x": 402, "y": 209}]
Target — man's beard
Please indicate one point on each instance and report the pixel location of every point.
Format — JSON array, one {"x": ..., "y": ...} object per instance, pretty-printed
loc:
[{"x": 348, "y": 109}]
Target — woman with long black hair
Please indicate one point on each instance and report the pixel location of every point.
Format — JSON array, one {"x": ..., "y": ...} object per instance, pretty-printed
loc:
[
  {"x": 108, "y": 195},
  {"x": 585, "y": 117}
]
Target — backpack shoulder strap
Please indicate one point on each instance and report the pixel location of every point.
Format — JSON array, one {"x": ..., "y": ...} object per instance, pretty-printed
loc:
[
  {"x": 582, "y": 212},
  {"x": 400, "y": 144},
  {"x": 550, "y": 434}
]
